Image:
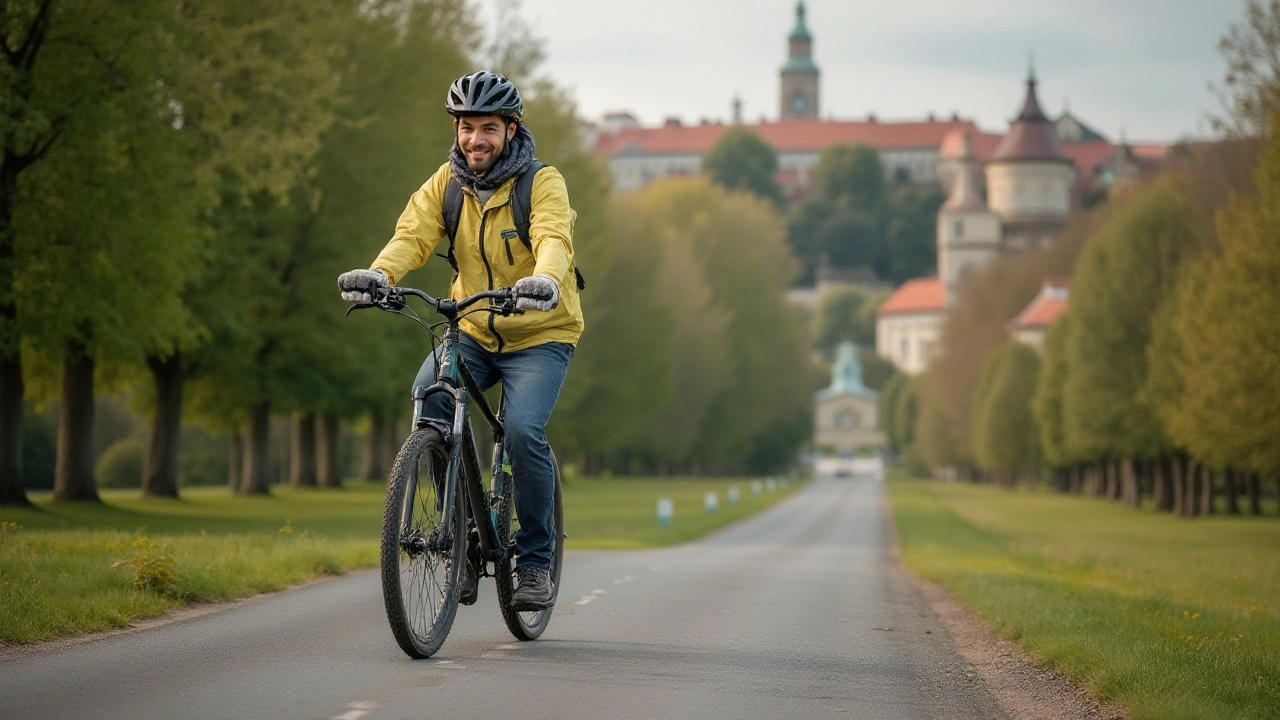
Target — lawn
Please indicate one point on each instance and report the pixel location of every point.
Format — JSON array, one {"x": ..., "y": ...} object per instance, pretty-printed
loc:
[
  {"x": 69, "y": 568},
  {"x": 1173, "y": 618}
]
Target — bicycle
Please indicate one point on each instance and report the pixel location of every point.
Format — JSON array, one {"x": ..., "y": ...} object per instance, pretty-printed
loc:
[{"x": 429, "y": 527}]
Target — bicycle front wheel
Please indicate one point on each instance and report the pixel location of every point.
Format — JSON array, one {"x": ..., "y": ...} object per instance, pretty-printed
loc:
[
  {"x": 526, "y": 625},
  {"x": 423, "y": 547}
]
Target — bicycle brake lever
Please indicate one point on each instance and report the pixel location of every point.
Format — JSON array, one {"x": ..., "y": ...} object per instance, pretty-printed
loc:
[{"x": 358, "y": 306}]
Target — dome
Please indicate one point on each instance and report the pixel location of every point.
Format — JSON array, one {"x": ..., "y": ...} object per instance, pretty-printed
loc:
[{"x": 1031, "y": 134}]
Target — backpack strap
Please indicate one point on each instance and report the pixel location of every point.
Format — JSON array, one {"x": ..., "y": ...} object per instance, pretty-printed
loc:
[
  {"x": 521, "y": 209},
  {"x": 452, "y": 212}
]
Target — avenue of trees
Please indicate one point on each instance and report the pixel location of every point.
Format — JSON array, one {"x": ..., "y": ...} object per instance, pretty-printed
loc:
[{"x": 180, "y": 185}]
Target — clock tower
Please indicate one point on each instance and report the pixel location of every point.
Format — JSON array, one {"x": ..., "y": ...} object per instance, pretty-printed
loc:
[{"x": 799, "y": 99}]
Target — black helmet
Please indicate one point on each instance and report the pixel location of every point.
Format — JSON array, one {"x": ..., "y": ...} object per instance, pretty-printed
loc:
[{"x": 484, "y": 93}]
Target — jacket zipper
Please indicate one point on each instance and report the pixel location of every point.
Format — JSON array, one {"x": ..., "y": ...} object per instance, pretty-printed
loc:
[
  {"x": 511, "y": 260},
  {"x": 484, "y": 219}
]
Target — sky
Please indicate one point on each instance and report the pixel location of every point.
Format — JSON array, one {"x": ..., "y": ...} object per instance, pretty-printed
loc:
[{"x": 1141, "y": 67}]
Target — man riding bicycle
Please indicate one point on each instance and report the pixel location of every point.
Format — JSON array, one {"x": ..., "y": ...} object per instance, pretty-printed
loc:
[{"x": 528, "y": 353}]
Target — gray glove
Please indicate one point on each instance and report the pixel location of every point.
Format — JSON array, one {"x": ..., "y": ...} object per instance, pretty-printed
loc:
[
  {"x": 537, "y": 292},
  {"x": 357, "y": 286}
]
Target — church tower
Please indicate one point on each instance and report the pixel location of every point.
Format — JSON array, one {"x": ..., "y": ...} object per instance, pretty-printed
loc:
[
  {"x": 799, "y": 76},
  {"x": 1029, "y": 178},
  {"x": 968, "y": 232}
]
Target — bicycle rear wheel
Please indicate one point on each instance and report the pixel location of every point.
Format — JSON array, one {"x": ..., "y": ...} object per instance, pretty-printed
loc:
[
  {"x": 526, "y": 625},
  {"x": 422, "y": 556}
]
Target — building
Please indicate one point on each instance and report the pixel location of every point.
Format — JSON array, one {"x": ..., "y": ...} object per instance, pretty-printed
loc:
[
  {"x": 1007, "y": 193},
  {"x": 847, "y": 413},
  {"x": 1033, "y": 322},
  {"x": 909, "y": 324},
  {"x": 908, "y": 150}
]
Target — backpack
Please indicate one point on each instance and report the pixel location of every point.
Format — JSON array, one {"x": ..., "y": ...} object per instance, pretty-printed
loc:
[{"x": 521, "y": 201}]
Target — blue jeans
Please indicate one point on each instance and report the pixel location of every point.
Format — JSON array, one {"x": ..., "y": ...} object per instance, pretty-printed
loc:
[{"x": 531, "y": 382}]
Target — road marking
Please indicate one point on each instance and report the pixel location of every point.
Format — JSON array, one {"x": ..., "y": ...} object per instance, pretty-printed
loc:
[
  {"x": 598, "y": 592},
  {"x": 585, "y": 599},
  {"x": 451, "y": 665},
  {"x": 359, "y": 709}
]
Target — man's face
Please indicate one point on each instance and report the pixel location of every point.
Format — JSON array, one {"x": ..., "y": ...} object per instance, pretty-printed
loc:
[{"x": 482, "y": 140}]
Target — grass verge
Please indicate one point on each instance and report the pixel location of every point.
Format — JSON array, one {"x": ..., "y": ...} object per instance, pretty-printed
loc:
[
  {"x": 72, "y": 568},
  {"x": 1171, "y": 618}
]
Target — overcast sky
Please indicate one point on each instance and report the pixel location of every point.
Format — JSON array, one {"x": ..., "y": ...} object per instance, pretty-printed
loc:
[{"x": 1143, "y": 65}]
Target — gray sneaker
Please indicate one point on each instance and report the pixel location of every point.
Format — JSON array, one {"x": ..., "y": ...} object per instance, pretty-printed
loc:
[{"x": 535, "y": 592}]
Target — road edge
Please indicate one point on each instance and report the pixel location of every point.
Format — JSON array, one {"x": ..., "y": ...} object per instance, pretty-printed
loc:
[
  {"x": 179, "y": 614},
  {"x": 1023, "y": 688}
]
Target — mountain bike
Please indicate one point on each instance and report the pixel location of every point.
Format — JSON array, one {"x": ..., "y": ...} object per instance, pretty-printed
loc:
[{"x": 439, "y": 513}]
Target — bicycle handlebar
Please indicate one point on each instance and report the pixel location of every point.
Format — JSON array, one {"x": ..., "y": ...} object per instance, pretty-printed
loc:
[{"x": 393, "y": 298}]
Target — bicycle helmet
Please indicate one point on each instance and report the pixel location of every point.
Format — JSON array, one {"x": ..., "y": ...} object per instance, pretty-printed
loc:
[{"x": 484, "y": 93}]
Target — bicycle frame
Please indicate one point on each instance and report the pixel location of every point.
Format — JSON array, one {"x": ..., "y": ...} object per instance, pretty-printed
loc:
[{"x": 455, "y": 379}]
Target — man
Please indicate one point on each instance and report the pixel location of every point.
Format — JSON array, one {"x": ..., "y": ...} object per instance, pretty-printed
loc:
[{"x": 529, "y": 353}]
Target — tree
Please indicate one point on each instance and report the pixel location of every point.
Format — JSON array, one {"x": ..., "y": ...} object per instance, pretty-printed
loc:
[
  {"x": 1230, "y": 342},
  {"x": 740, "y": 160},
  {"x": 845, "y": 218},
  {"x": 1125, "y": 273},
  {"x": 1005, "y": 437},
  {"x": 1046, "y": 404},
  {"x": 911, "y": 238},
  {"x": 841, "y": 315},
  {"x": 1250, "y": 90}
]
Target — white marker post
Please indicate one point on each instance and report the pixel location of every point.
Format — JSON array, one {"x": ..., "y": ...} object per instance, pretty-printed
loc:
[
  {"x": 666, "y": 509},
  {"x": 771, "y": 485},
  {"x": 733, "y": 494},
  {"x": 757, "y": 487},
  {"x": 711, "y": 501}
]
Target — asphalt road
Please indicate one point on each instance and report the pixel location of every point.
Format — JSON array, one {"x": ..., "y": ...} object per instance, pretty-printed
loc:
[{"x": 797, "y": 613}]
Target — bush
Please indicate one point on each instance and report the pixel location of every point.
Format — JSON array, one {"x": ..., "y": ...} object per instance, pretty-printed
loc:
[{"x": 120, "y": 465}]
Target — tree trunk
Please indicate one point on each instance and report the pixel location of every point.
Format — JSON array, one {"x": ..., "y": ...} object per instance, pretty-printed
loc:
[
  {"x": 13, "y": 490},
  {"x": 328, "y": 452},
  {"x": 160, "y": 472},
  {"x": 1113, "y": 479},
  {"x": 1233, "y": 501},
  {"x": 1178, "y": 473},
  {"x": 235, "y": 460},
  {"x": 257, "y": 451},
  {"x": 371, "y": 465},
  {"x": 12, "y": 389},
  {"x": 1193, "y": 489},
  {"x": 390, "y": 444},
  {"x": 1206, "y": 491},
  {"x": 302, "y": 466},
  {"x": 1161, "y": 482},
  {"x": 1254, "y": 488},
  {"x": 1129, "y": 484},
  {"x": 73, "y": 474}
]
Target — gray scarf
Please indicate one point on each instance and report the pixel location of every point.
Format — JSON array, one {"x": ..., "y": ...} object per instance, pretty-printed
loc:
[{"x": 515, "y": 159}]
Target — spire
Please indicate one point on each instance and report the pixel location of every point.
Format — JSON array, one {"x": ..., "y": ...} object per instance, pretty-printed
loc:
[
  {"x": 737, "y": 109},
  {"x": 800, "y": 31},
  {"x": 1031, "y": 134}
]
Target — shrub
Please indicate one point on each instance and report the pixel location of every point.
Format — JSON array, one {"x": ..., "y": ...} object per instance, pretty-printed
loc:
[{"x": 120, "y": 465}]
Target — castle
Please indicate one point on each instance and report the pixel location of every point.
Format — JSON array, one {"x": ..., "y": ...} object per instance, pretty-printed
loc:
[{"x": 1006, "y": 191}]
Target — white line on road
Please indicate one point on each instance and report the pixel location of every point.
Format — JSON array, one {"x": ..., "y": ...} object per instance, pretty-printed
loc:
[
  {"x": 585, "y": 599},
  {"x": 359, "y": 709}
]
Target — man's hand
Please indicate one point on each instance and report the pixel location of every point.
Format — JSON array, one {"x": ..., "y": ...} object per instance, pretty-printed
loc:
[
  {"x": 537, "y": 292},
  {"x": 357, "y": 286}
]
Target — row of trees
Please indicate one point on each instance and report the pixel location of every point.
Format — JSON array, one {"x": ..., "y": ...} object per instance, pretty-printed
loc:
[
  {"x": 181, "y": 184},
  {"x": 1159, "y": 379}
]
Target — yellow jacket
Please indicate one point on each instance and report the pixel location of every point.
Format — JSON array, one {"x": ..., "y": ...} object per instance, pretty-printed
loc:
[{"x": 490, "y": 255}]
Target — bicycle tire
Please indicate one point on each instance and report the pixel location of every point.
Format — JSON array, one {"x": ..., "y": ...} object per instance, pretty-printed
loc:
[
  {"x": 421, "y": 565},
  {"x": 526, "y": 625}
]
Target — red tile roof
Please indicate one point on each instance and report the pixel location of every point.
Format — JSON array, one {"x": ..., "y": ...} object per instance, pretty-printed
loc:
[
  {"x": 983, "y": 143},
  {"x": 1048, "y": 305},
  {"x": 916, "y": 296},
  {"x": 791, "y": 136}
]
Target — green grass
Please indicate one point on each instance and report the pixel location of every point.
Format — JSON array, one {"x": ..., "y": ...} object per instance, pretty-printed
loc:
[
  {"x": 69, "y": 568},
  {"x": 1172, "y": 618}
]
